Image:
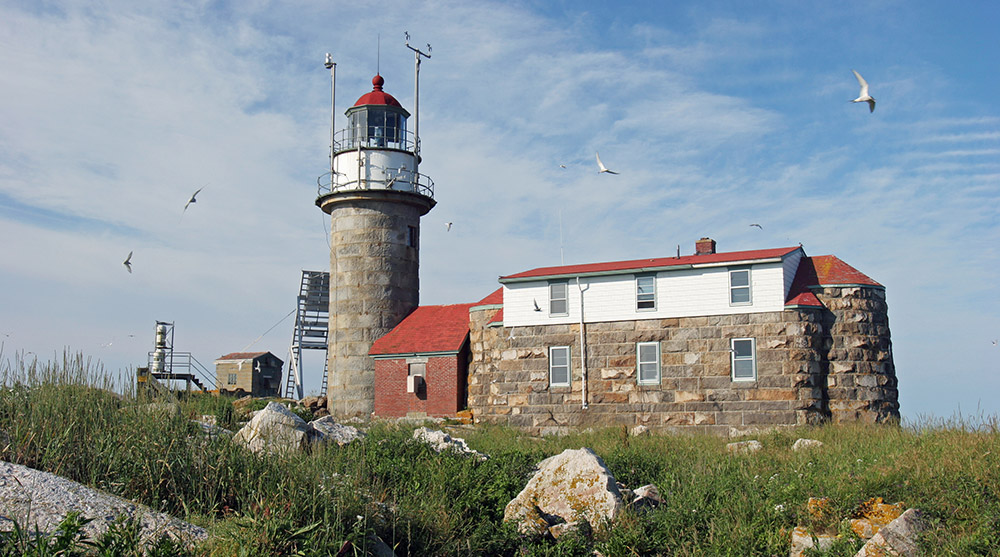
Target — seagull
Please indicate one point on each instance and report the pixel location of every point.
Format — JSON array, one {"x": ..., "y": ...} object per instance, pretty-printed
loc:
[
  {"x": 536, "y": 305},
  {"x": 193, "y": 200},
  {"x": 256, "y": 367},
  {"x": 758, "y": 226},
  {"x": 447, "y": 226},
  {"x": 562, "y": 166},
  {"x": 601, "y": 167},
  {"x": 128, "y": 262},
  {"x": 864, "y": 97}
]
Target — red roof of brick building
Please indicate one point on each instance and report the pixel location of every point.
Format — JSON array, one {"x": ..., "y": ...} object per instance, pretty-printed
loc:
[{"x": 428, "y": 329}]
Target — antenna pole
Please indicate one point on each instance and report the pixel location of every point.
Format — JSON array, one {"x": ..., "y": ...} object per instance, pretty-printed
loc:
[
  {"x": 416, "y": 101},
  {"x": 332, "y": 66}
]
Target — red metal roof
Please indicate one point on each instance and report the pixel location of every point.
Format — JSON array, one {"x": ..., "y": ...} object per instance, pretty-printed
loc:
[
  {"x": 377, "y": 95},
  {"x": 822, "y": 270},
  {"x": 615, "y": 266},
  {"x": 242, "y": 355},
  {"x": 427, "y": 329},
  {"x": 495, "y": 297}
]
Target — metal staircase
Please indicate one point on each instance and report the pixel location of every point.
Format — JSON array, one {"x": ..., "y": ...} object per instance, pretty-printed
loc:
[{"x": 312, "y": 318}]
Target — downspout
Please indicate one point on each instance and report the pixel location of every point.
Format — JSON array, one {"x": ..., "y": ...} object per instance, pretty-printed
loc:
[{"x": 583, "y": 348}]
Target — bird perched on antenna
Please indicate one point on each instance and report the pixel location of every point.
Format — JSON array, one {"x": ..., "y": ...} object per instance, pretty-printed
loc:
[
  {"x": 128, "y": 262},
  {"x": 864, "y": 97},
  {"x": 329, "y": 61},
  {"x": 193, "y": 200},
  {"x": 601, "y": 168}
]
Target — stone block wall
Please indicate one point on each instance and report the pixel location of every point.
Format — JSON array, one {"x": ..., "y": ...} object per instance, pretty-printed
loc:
[
  {"x": 812, "y": 365},
  {"x": 861, "y": 379}
]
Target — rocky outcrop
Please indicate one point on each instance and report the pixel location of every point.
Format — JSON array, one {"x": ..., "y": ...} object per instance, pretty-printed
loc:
[
  {"x": 572, "y": 486},
  {"x": 441, "y": 442},
  {"x": 35, "y": 498},
  {"x": 327, "y": 430},
  {"x": 275, "y": 429}
]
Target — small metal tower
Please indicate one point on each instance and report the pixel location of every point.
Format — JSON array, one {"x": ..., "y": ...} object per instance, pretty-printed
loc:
[{"x": 312, "y": 317}]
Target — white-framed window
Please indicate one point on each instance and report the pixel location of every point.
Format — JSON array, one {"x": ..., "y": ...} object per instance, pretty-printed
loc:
[
  {"x": 559, "y": 298},
  {"x": 647, "y": 359},
  {"x": 559, "y": 366},
  {"x": 739, "y": 287},
  {"x": 744, "y": 358},
  {"x": 645, "y": 292}
]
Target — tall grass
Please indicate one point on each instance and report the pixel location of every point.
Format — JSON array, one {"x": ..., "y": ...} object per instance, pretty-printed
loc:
[{"x": 63, "y": 418}]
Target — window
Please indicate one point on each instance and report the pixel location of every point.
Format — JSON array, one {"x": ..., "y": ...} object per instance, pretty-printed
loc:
[
  {"x": 739, "y": 287},
  {"x": 744, "y": 353},
  {"x": 413, "y": 237},
  {"x": 558, "y": 298},
  {"x": 647, "y": 357},
  {"x": 645, "y": 292},
  {"x": 417, "y": 368},
  {"x": 231, "y": 379},
  {"x": 559, "y": 366}
]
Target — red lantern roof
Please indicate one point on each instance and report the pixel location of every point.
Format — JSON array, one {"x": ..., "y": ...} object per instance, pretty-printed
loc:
[{"x": 377, "y": 95}]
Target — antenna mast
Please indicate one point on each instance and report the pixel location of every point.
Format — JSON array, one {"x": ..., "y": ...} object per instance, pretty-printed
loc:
[
  {"x": 416, "y": 97},
  {"x": 332, "y": 66}
]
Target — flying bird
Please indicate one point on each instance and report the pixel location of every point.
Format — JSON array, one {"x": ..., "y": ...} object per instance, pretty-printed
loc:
[
  {"x": 193, "y": 200},
  {"x": 536, "y": 305},
  {"x": 256, "y": 367},
  {"x": 562, "y": 166},
  {"x": 864, "y": 97},
  {"x": 447, "y": 226},
  {"x": 601, "y": 167},
  {"x": 128, "y": 262},
  {"x": 758, "y": 226}
]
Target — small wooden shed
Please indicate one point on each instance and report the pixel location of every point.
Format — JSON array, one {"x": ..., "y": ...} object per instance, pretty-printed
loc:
[{"x": 253, "y": 373}]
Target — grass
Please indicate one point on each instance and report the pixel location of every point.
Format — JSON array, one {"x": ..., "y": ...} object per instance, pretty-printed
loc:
[{"x": 62, "y": 417}]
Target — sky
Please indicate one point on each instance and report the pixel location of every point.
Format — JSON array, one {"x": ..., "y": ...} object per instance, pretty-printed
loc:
[{"x": 716, "y": 114}]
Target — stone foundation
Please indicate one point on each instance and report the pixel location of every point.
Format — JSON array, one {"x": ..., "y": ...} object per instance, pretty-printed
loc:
[{"x": 813, "y": 365}]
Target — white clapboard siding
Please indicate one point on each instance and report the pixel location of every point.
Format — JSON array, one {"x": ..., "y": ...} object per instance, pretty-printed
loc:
[{"x": 682, "y": 293}]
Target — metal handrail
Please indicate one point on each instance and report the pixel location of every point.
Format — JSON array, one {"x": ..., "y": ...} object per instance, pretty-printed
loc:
[
  {"x": 351, "y": 138},
  {"x": 414, "y": 183}
]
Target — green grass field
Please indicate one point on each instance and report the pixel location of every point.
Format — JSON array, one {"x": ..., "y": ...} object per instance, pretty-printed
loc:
[{"x": 63, "y": 418}]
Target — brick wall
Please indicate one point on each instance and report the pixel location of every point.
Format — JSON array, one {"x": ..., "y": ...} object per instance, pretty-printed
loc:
[
  {"x": 442, "y": 394},
  {"x": 812, "y": 365}
]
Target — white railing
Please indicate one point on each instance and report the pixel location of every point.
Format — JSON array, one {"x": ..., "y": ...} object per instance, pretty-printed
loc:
[{"x": 404, "y": 180}]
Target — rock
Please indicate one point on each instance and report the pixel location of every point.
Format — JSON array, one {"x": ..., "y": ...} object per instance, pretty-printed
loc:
[
  {"x": 327, "y": 430},
  {"x": 802, "y": 540},
  {"x": 48, "y": 498},
  {"x": 647, "y": 497},
  {"x": 441, "y": 441},
  {"x": 275, "y": 429},
  {"x": 751, "y": 446},
  {"x": 873, "y": 516},
  {"x": 639, "y": 431},
  {"x": 567, "y": 487},
  {"x": 210, "y": 429},
  {"x": 898, "y": 538},
  {"x": 563, "y": 528},
  {"x": 803, "y": 444},
  {"x": 311, "y": 402}
]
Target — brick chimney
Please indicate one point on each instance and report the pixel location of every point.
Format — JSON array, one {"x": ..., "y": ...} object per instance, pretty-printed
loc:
[{"x": 705, "y": 246}]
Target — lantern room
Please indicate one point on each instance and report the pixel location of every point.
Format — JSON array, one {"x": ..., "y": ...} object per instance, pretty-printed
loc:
[{"x": 378, "y": 120}]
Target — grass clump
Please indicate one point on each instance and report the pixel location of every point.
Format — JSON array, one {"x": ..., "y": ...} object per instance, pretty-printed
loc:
[{"x": 66, "y": 418}]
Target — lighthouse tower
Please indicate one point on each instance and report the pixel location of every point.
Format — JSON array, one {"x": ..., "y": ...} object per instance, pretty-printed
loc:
[{"x": 375, "y": 198}]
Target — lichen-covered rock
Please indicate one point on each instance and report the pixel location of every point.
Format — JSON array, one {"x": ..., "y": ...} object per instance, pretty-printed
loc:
[
  {"x": 327, "y": 430},
  {"x": 567, "y": 487},
  {"x": 875, "y": 515},
  {"x": 275, "y": 429},
  {"x": 803, "y": 539},
  {"x": 804, "y": 444},
  {"x": 39, "y": 499},
  {"x": 898, "y": 538},
  {"x": 441, "y": 441},
  {"x": 751, "y": 446}
]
